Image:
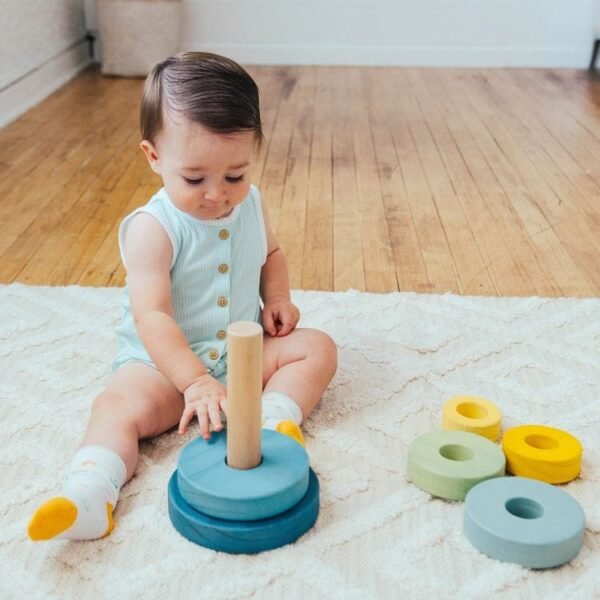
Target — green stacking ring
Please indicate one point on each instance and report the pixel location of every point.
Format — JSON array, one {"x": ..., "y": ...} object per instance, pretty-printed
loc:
[{"x": 448, "y": 464}]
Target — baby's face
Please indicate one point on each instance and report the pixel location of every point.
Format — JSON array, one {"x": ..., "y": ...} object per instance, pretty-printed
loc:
[{"x": 205, "y": 174}]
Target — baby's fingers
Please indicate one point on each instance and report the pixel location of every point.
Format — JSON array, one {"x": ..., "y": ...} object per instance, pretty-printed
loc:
[
  {"x": 269, "y": 323},
  {"x": 186, "y": 417},
  {"x": 203, "y": 422},
  {"x": 288, "y": 322},
  {"x": 215, "y": 416}
]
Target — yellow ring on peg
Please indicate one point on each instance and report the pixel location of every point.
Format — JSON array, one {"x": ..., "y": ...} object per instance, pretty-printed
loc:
[
  {"x": 473, "y": 414},
  {"x": 543, "y": 453}
]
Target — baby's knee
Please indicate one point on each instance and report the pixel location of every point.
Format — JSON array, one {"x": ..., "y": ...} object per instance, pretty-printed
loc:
[
  {"x": 107, "y": 402},
  {"x": 111, "y": 406},
  {"x": 324, "y": 347}
]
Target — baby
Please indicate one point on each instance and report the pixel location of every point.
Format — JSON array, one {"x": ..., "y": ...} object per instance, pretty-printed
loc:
[{"x": 199, "y": 256}]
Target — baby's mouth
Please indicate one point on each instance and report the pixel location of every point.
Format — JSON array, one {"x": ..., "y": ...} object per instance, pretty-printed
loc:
[{"x": 214, "y": 205}]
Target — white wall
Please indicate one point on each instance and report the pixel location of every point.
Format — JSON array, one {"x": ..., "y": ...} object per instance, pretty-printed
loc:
[
  {"x": 41, "y": 47},
  {"x": 544, "y": 33},
  {"x": 540, "y": 33}
]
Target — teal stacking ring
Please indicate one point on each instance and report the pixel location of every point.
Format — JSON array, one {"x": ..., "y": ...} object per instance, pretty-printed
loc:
[
  {"x": 448, "y": 464},
  {"x": 209, "y": 485},
  {"x": 523, "y": 521},
  {"x": 244, "y": 537}
]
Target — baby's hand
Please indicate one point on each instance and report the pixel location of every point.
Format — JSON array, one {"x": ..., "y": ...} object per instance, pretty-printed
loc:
[
  {"x": 280, "y": 317},
  {"x": 205, "y": 397}
]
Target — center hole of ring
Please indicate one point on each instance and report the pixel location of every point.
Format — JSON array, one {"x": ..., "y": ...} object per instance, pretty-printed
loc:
[
  {"x": 470, "y": 410},
  {"x": 541, "y": 442},
  {"x": 258, "y": 465},
  {"x": 456, "y": 452},
  {"x": 524, "y": 508}
]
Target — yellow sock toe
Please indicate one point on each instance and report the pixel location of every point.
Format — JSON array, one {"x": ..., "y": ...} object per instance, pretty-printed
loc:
[
  {"x": 52, "y": 518},
  {"x": 111, "y": 521},
  {"x": 290, "y": 428}
]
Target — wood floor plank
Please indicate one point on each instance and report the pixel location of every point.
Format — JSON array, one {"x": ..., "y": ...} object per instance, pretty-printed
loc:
[
  {"x": 472, "y": 271},
  {"x": 560, "y": 155},
  {"x": 435, "y": 248},
  {"x": 291, "y": 224},
  {"x": 507, "y": 277},
  {"x": 572, "y": 205},
  {"x": 348, "y": 260},
  {"x": 380, "y": 272},
  {"x": 522, "y": 201},
  {"x": 576, "y": 125},
  {"x": 275, "y": 165},
  {"x": 317, "y": 259},
  {"x": 35, "y": 252},
  {"x": 477, "y": 148},
  {"x": 576, "y": 92},
  {"x": 57, "y": 180},
  {"x": 475, "y": 181},
  {"x": 97, "y": 224},
  {"x": 271, "y": 86},
  {"x": 525, "y": 159},
  {"x": 57, "y": 117},
  {"x": 411, "y": 271}
]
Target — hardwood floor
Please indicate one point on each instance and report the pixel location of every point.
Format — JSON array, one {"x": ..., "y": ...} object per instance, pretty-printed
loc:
[{"x": 475, "y": 181}]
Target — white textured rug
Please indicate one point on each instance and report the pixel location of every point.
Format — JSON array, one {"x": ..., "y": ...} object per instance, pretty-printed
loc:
[{"x": 401, "y": 356}]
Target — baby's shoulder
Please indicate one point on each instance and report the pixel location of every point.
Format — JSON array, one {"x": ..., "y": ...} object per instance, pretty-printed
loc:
[
  {"x": 143, "y": 238},
  {"x": 145, "y": 231}
]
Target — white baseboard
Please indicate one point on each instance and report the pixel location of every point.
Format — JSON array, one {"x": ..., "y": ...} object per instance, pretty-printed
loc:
[
  {"x": 373, "y": 55},
  {"x": 31, "y": 89}
]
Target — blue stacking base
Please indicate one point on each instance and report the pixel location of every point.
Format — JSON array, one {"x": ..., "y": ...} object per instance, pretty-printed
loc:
[
  {"x": 244, "y": 537},
  {"x": 524, "y": 521}
]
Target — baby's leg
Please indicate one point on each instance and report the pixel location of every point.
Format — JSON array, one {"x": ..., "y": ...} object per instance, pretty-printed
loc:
[
  {"x": 297, "y": 370},
  {"x": 139, "y": 402}
]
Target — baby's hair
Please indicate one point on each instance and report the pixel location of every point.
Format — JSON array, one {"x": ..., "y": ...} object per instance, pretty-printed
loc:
[{"x": 205, "y": 88}]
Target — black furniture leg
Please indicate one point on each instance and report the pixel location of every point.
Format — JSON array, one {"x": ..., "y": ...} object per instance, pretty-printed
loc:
[{"x": 594, "y": 55}]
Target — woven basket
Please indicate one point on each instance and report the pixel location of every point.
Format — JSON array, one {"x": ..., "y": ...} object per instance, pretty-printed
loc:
[{"x": 136, "y": 34}]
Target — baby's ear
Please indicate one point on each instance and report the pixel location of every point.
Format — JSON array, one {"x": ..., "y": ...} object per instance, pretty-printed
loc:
[{"x": 151, "y": 155}]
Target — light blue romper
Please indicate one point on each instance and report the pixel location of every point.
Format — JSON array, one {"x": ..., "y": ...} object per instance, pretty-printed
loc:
[{"x": 215, "y": 277}]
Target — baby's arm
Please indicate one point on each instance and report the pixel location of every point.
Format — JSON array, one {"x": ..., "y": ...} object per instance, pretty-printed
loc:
[
  {"x": 148, "y": 255},
  {"x": 280, "y": 316}
]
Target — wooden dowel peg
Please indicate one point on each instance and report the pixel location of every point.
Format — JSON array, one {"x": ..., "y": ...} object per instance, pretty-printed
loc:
[{"x": 244, "y": 393}]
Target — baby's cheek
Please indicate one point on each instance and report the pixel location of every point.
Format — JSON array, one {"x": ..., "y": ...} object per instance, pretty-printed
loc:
[
  {"x": 179, "y": 193},
  {"x": 242, "y": 192}
]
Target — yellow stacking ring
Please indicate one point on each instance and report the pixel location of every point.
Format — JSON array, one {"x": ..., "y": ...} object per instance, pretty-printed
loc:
[
  {"x": 476, "y": 415},
  {"x": 543, "y": 453}
]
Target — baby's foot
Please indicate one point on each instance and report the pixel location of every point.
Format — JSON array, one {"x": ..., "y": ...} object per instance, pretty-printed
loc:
[
  {"x": 83, "y": 513},
  {"x": 60, "y": 518},
  {"x": 286, "y": 427},
  {"x": 84, "y": 510}
]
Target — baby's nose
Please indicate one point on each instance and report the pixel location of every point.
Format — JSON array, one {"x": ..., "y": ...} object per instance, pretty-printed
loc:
[{"x": 214, "y": 193}]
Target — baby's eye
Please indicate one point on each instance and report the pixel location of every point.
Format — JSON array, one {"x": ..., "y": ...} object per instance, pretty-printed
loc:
[
  {"x": 235, "y": 179},
  {"x": 193, "y": 181}
]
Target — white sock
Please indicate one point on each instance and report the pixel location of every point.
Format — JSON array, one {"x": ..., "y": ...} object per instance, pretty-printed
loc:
[
  {"x": 277, "y": 407},
  {"x": 94, "y": 479}
]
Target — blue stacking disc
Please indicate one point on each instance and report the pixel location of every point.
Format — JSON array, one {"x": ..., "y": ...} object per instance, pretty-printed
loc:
[
  {"x": 524, "y": 521},
  {"x": 244, "y": 537},
  {"x": 210, "y": 486}
]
